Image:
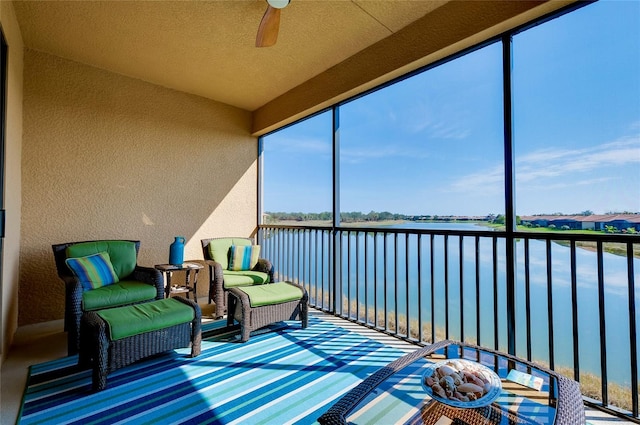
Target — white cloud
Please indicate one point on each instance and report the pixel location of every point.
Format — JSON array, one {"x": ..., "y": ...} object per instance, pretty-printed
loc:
[
  {"x": 396, "y": 150},
  {"x": 560, "y": 162},
  {"x": 299, "y": 145},
  {"x": 481, "y": 180},
  {"x": 564, "y": 184},
  {"x": 435, "y": 122},
  {"x": 448, "y": 131},
  {"x": 544, "y": 164}
]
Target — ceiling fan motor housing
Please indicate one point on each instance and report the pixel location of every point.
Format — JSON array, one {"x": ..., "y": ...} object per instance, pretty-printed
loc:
[{"x": 278, "y": 4}]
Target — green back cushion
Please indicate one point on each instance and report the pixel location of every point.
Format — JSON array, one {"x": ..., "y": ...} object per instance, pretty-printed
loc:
[
  {"x": 93, "y": 271},
  {"x": 243, "y": 257},
  {"x": 119, "y": 294},
  {"x": 219, "y": 249},
  {"x": 275, "y": 293},
  {"x": 121, "y": 253},
  {"x": 146, "y": 317}
]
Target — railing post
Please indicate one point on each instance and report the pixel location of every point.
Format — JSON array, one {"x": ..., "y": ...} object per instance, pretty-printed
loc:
[
  {"x": 509, "y": 187},
  {"x": 632, "y": 329},
  {"x": 336, "y": 206},
  {"x": 260, "y": 183}
]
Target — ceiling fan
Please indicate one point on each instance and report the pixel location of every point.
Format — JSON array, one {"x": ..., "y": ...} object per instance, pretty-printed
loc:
[{"x": 268, "y": 29}]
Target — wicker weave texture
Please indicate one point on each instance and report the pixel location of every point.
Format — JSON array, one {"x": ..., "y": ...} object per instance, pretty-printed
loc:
[
  {"x": 569, "y": 410},
  {"x": 73, "y": 291},
  {"x": 217, "y": 292},
  {"x": 435, "y": 411},
  {"x": 252, "y": 318},
  {"x": 105, "y": 356}
]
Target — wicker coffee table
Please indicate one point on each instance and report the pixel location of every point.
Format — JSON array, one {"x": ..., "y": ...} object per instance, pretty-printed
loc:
[{"x": 530, "y": 394}]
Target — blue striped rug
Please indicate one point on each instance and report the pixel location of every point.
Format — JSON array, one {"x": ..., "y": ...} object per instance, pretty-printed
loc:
[{"x": 282, "y": 375}]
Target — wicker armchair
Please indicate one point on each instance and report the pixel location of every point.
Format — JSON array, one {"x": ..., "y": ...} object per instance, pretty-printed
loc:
[
  {"x": 220, "y": 278},
  {"x": 128, "y": 290}
]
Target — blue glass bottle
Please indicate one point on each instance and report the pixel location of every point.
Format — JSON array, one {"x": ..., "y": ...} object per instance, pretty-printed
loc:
[{"x": 176, "y": 251}]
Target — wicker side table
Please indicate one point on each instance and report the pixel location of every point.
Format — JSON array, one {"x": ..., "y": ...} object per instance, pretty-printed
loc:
[{"x": 191, "y": 271}]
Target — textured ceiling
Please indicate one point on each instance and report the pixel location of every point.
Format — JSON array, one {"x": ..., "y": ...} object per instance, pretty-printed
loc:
[{"x": 207, "y": 47}]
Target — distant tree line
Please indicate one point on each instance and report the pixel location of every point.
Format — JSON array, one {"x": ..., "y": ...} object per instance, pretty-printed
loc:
[
  {"x": 500, "y": 219},
  {"x": 372, "y": 216},
  {"x": 345, "y": 217}
]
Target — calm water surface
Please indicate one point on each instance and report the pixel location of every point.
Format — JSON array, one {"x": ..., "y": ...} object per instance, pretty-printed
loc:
[
  {"x": 615, "y": 289},
  {"x": 402, "y": 285}
]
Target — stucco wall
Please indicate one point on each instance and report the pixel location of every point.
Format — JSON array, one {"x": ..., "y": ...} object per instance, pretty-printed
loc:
[
  {"x": 12, "y": 178},
  {"x": 106, "y": 156}
]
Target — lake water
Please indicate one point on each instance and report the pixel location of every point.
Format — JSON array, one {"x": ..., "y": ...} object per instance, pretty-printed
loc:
[{"x": 615, "y": 290}]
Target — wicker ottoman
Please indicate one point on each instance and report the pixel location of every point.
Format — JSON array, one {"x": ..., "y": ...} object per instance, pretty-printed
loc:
[
  {"x": 116, "y": 337},
  {"x": 260, "y": 305}
]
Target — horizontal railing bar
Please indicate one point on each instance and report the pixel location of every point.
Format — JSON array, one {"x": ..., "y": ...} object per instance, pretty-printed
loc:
[{"x": 559, "y": 236}]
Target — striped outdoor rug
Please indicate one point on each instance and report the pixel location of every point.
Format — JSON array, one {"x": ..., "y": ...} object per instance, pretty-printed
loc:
[{"x": 283, "y": 375}]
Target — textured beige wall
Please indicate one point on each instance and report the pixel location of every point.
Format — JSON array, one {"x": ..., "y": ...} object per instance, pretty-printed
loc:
[
  {"x": 107, "y": 156},
  {"x": 12, "y": 195}
]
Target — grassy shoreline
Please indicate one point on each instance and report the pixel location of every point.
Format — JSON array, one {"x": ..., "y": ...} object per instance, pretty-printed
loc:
[{"x": 615, "y": 248}]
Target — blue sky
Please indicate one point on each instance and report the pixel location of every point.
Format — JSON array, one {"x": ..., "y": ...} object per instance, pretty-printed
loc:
[{"x": 432, "y": 144}]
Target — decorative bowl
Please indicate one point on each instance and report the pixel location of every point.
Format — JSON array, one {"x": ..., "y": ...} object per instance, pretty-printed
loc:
[{"x": 461, "y": 383}]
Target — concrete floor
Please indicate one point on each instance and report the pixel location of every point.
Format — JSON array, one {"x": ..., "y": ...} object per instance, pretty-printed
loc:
[
  {"x": 42, "y": 342},
  {"x": 32, "y": 344}
]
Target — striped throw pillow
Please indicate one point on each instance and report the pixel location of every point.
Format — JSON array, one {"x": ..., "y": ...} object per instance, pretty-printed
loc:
[
  {"x": 93, "y": 271},
  {"x": 243, "y": 257}
]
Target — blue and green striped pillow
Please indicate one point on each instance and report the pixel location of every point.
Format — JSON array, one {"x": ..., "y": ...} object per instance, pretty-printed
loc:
[
  {"x": 93, "y": 271},
  {"x": 243, "y": 257}
]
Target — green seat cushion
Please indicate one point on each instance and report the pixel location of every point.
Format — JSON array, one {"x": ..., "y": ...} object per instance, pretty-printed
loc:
[
  {"x": 146, "y": 317},
  {"x": 122, "y": 254},
  {"x": 219, "y": 249},
  {"x": 244, "y": 278},
  {"x": 117, "y": 294},
  {"x": 275, "y": 293}
]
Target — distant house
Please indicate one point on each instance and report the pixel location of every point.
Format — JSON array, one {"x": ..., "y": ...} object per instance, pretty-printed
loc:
[
  {"x": 594, "y": 222},
  {"x": 535, "y": 221},
  {"x": 623, "y": 223},
  {"x": 570, "y": 222},
  {"x": 585, "y": 222}
]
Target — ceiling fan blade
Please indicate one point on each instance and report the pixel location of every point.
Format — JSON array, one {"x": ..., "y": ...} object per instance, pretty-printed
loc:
[{"x": 268, "y": 29}]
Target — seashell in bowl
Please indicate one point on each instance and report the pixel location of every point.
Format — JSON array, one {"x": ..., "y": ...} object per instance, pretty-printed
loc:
[{"x": 461, "y": 383}]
